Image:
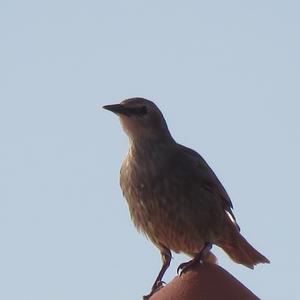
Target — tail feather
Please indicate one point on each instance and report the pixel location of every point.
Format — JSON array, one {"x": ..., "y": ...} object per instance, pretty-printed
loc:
[{"x": 240, "y": 251}]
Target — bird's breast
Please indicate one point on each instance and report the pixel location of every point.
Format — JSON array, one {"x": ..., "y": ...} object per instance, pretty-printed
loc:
[{"x": 167, "y": 205}]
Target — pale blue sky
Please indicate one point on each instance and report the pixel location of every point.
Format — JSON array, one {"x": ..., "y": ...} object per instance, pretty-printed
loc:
[{"x": 225, "y": 74}]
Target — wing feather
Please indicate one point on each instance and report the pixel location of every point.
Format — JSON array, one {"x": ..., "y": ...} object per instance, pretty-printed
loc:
[{"x": 210, "y": 181}]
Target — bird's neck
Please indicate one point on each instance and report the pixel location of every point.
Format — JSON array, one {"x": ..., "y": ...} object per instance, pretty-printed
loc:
[{"x": 149, "y": 146}]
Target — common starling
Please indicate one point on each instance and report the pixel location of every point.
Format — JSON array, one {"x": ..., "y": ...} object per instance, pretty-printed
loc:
[{"x": 174, "y": 197}]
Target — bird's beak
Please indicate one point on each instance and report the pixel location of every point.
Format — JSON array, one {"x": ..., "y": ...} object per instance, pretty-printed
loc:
[{"x": 116, "y": 108}]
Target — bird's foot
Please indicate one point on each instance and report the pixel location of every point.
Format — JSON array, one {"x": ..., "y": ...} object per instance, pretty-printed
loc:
[
  {"x": 182, "y": 268},
  {"x": 198, "y": 259},
  {"x": 156, "y": 287}
]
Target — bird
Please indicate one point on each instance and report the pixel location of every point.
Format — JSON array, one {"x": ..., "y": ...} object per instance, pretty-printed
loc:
[{"x": 173, "y": 196}]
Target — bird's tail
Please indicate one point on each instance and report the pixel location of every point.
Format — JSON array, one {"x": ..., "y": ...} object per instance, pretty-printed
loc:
[{"x": 239, "y": 250}]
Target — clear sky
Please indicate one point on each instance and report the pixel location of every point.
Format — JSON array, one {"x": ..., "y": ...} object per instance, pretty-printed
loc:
[{"x": 226, "y": 76}]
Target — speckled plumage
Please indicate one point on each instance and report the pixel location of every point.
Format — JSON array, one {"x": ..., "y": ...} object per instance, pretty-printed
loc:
[{"x": 169, "y": 197}]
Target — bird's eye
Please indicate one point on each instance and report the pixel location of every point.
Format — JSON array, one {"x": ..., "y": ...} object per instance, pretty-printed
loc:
[
  {"x": 136, "y": 111},
  {"x": 143, "y": 110}
]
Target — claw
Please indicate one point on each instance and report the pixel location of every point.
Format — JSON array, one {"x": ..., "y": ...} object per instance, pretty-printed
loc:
[
  {"x": 179, "y": 269},
  {"x": 156, "y": 287},
  {"x": 182, "y": 268}
]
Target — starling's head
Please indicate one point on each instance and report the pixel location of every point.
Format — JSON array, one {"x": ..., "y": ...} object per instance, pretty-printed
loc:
[{"x": 140, "y": 118}]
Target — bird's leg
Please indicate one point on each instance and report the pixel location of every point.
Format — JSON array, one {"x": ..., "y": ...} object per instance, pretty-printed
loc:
[
  {"x": 198, "y": 258},
  {"x": 158, "y": 283}
]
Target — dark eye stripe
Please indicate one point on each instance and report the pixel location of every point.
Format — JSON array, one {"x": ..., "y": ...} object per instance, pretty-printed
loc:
[
  {"x": 143, "y": 110},
  {"x": 138, "y": 111}
]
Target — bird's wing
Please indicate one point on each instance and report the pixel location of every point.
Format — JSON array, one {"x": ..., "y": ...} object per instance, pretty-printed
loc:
[{"x": 210, "y": 181}]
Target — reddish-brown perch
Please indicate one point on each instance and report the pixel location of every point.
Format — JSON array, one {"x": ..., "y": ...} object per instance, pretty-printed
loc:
[{"x": 204, "y": 282}]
